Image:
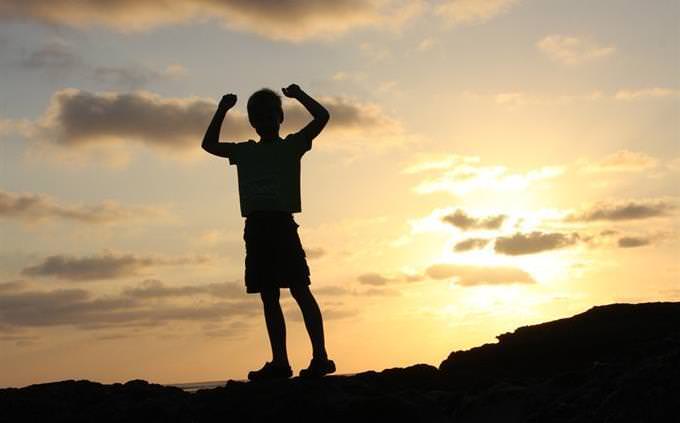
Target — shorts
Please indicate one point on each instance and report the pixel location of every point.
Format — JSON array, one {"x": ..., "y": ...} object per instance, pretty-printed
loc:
[{"x": 274, "y": 253}]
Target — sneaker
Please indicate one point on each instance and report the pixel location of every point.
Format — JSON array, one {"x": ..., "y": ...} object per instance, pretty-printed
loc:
[
  {"x": 270, "y": 371},
  {"x": 318, "y": 367}
]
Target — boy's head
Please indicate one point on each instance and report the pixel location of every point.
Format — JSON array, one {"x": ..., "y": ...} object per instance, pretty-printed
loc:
[{"x": 265, "y": 112}]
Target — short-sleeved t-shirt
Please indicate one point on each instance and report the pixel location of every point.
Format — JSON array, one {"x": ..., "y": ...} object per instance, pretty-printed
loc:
[{"x": 269, "y": 173}]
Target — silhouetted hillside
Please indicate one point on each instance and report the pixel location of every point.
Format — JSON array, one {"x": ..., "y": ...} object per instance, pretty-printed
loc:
[{"x": 614, "y": 363}]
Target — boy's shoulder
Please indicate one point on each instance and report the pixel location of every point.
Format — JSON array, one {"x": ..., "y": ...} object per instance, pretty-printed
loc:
[
  {"x": 240, "y": 150},
  {"x": 298, "y": 142},
  {"x": 243, "y": 146}
]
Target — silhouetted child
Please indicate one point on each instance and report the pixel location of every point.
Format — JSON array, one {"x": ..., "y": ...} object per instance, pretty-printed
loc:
[{"x": 269, "y": 192}]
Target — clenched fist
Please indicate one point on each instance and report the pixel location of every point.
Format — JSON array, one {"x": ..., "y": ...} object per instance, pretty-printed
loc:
[
  {"x": 228, "y": 101},
  {"x": 292, "y": 91}
]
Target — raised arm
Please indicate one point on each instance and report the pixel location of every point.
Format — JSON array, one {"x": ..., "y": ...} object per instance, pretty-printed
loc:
[
  {"x": 318, "y": 112},
  {"x": 211, "y": 140}
]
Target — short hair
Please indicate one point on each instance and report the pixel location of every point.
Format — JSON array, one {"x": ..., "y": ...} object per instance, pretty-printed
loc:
[{"x": 264, "y": 99}]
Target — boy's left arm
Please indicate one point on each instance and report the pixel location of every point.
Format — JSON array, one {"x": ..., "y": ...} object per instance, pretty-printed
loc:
[{"x": 318, "y": 112}]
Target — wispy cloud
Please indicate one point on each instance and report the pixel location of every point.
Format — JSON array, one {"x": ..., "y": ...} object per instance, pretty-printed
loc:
[
  {"x": 465, "y": 222},
  {"x": 81, "y": 309},
  {"x": 374, "y": 279},
  {"x": 534, "y": 242},
  {"x": 621, "y": 161},
  {"x": 463, "y": 274},
  {"x": 12, "y": 286},
  {"x": 624, "y": 210},
  {"x": 154, "y": 288},
  {"x": 40, "y": 207},
  {"x": 428, "y": 163},
  {"x": 135, "y": 76},
  {"x": 633, "y": 242},
  {"x": 337, "y": 290},
  {"x": 472, "y": 11},
  {"x": 55, "y": 55},
  {"x": 468, "y": 275},
  {"x": 514, "y": 100},
  {"x": 313, "y": 253},
  {"x": 58, "y": 57},
  {"x": 646, "y": 93},
  {"x": 465, "y": 178},
  {"x": 291, "y": 20},
  {"x": 572, "y": 50},
  {"x": 102, "y": 266},
  {"x": 470, "y": 244}
]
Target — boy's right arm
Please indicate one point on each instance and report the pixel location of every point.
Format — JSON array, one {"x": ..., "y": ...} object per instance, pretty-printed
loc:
[{"x": 211, "y": 142}]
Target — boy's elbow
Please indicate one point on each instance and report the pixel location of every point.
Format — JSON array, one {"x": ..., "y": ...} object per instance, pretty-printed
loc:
[
  {"x": 205, "y": 145},
  {"x": 324, "y": 116}
]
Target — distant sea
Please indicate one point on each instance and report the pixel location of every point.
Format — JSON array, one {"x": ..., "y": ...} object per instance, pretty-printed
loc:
[{"x": 195, "y": 386}]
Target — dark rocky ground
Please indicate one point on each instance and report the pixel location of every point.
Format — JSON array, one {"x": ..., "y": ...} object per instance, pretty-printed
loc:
[{"x": 614, "y": 363}]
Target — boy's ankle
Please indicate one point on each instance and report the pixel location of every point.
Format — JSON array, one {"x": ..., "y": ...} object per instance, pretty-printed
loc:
[{"x": 281, "y": 363}]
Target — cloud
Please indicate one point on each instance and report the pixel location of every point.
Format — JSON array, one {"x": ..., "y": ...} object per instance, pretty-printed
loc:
[
  {"x": 332, "y": 290},
  {"x": 337, "y": 290},
  {"x": 314, "y": 252},
  {"x": 571, "y": 50},
  {"x": 59, "y": 57},
  {"x": 439, "y": 162},
  {"x": 639, "y": 94},
  {"x": 515, "y": 99},
  {"x": 470, "y": 244},
  {"x": 350, "y": 119},
  {"x": 153, "y": 288},
  {"x": 427, "y": 44},
  {"x": 622, "y": 161},
  {"x": 329, "y": 313},
  {"x": 632, "y": 242},
  {"x": 20, "y": 340},
  {"x": 291, "y": 20},
  {"x": 462, "y": 221},
  {"x": 472, "y": 11},
  {"x": 467, "y": 275},
  {"x": 101, "y": 266},
  {"x": 462, "y": 178},
  {"x": 621, "y": 211},
  {"x": 56, "y": 55},
  {"x": 534, "y": 242},
  {"x": 39, "y": 207},
  {"x": 374, "y": 279},
  {"x": 134, "y": 76},
  {"x": 77, "y": 307},
  {"x": 377, "y": 279},
  {"x": 375, "y": 292},
  {"x": 12, "y": 286},
  {"x": 6, "y": 127},
  {"x": 230, "y": 330},
  {"x": 77, "y": 119}
]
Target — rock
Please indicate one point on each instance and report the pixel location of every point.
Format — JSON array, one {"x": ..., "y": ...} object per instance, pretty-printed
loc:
[{"x": 615, "y": 363}]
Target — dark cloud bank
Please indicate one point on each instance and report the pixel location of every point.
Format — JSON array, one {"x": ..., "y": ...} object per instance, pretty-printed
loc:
[
  {"x": 37, "y": 207},
  {"x": 102, "y": 266},
  {"x": 77, "y": 118}
]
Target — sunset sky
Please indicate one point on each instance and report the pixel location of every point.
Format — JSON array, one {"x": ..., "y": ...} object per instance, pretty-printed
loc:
[{"x": 488, "y": 164}]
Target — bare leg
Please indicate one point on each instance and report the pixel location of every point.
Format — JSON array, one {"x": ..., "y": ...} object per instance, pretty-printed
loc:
[
  {"x": 313, "y": 320},
  {"x": 276, "y": 326}
]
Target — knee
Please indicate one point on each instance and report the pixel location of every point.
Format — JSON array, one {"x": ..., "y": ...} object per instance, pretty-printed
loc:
[
  {"x": 300, "y": 293},
  {"x": 269, "y": 297}
]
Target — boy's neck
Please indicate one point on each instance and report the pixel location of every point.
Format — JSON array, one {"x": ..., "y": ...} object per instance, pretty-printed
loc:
[{"x": 270, "y": 138}]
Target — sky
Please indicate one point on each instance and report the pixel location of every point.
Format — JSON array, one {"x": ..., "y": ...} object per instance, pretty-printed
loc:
[{"x": 488, "y": 164}]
